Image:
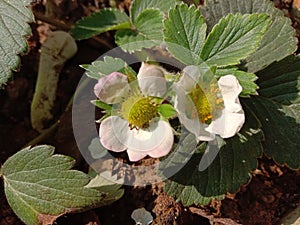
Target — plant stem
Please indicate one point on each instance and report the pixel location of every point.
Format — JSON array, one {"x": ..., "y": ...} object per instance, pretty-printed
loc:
[
  {"x": 51, "y": 130},
  {"x": 66, "y": 27},
  {"x": 51, "y": 21}
]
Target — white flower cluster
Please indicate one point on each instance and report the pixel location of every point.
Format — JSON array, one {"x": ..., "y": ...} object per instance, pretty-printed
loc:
[{"x": 137, "y": 125}]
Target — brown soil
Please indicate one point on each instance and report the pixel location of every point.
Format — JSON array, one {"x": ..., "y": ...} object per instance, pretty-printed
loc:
[{"x": 272, "y": 192}]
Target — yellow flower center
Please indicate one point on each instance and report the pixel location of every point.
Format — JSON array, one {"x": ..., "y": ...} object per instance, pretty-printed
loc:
[
  {"x": 207, "y": 103},
  {"x": 138, "y": 111}
]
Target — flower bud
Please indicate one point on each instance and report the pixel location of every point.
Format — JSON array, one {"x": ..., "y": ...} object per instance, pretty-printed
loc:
[{"x": 151, "y": 80}]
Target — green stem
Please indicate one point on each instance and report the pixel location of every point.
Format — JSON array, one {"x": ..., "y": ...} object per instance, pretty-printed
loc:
[{"x": 44, "y": 135}]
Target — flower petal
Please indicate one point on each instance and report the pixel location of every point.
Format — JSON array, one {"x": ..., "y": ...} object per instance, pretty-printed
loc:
[
  {"x": 151, "y": 138},
  {"x": 228, "y": 124},
  {"x": 151, "y": 80},
  {"x": 109, "y": 138},
  {"x": 232, "y": 116},
  {"x": 153, "y": 86},
  {"x": 112, "y": 88},
  {"x": 189, "y": 78},
  {"x": 204, "y": 135},
  {"x": 185, "y": 106},
  {"x": 156, "y": 140},
  {"x": 135, "y": 156},
  {"x": 230, "y": 90},
  {"x": 166, "y": 140}
]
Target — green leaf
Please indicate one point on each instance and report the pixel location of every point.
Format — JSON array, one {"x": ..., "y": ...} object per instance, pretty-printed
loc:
[
  {"x": 14, "y": 17},
  {"x": 281, "y": 130},
  {"x": 99, "y": 22},
  {"x": 234, "y": 38},
  {"x": 230, "y": 169},
  {"x": 277, "y": 108},
  {"x": 147, "y": 32},
  {"x": 186, "y": 189},
  {"x": 139, "y": 6},
  {"x": 185, "y": 32},
  {"x": 131, "y": 74},
  {"x": 109, "y": 185},
  {"x": 180, "y": 156},
  {"x": 278, "y": 42},
  {"x": 40, "y": 186},
  {"x": 100, "y": 68},
  {"x": 246, "y": 80},
  {"x": 280, "y": 81},
  {"x": 167, "y": 110}
]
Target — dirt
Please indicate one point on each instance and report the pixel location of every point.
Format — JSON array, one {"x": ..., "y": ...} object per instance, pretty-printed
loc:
[{"x": 273, "y": 191}]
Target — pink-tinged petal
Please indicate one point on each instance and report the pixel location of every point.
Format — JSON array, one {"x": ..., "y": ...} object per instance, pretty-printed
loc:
[
  {"x": 112, "y": 88},
  {"x": 166, "y": 141},
  {"x": 151, "y": 80},
  {"x": 161, "y": 142},
  {"x": 232, "y": 117},
  {"x": 135, "y": 156},
  {"x": 148, "y": 139},
  {"x": 109, "y": 133}
]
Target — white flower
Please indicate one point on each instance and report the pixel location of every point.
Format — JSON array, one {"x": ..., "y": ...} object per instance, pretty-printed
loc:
[
  {"x": 217, "y": 109},
  {"x": 136, "y": 127},
  {"x": 155, "y": 141}
]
